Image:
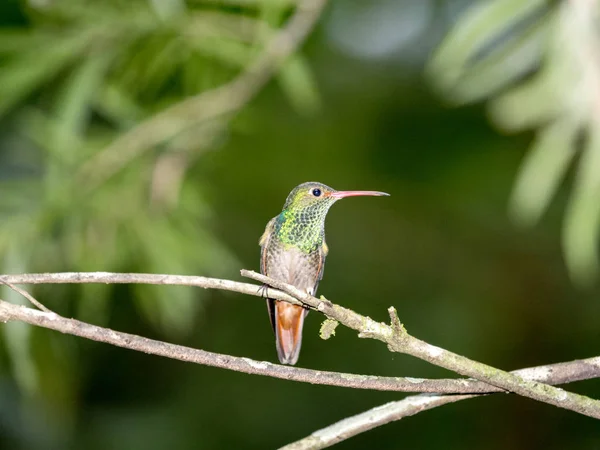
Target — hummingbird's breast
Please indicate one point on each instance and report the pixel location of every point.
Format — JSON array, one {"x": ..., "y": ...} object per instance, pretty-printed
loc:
[{"x": 293, "y": 265}]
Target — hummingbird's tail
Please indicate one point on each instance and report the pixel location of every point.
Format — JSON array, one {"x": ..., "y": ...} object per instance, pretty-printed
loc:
[{"x": 288, "y": 323}]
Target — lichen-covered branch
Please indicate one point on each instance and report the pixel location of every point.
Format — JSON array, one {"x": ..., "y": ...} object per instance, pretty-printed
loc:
[{"x": 398, "y": 340}]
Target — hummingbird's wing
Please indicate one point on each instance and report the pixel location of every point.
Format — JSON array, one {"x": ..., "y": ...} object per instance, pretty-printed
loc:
[
  {"x": 264, "y": 244},
  {"x": 323, "y": 250}
]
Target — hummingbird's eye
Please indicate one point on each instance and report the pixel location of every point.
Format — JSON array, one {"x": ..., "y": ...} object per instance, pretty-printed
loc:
[{"x": 316, "y": 192}]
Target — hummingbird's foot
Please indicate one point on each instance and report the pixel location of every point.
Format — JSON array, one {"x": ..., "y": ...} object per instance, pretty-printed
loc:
[{"x": 264, "y": 291}]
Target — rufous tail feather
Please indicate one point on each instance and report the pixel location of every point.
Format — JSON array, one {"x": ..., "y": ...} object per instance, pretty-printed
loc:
[{"x": 289, "y": 320}]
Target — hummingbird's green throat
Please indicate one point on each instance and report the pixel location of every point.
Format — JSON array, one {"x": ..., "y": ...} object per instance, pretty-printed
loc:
[{"x": 302, "y": 222}]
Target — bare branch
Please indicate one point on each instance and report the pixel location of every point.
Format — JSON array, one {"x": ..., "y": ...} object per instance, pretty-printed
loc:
[
  {"x": 11, "y": 312},
  {"x": 217, "y": 103},
  {"x": 561, "y": 373},
  {"x": 373, "y": 418},
  {"x": 144, "y": 278},
  {"x": 398, "y": 340}
]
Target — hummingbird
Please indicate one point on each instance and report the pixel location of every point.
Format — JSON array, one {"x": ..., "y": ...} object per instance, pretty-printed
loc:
[{"x": 293, "y": 250}]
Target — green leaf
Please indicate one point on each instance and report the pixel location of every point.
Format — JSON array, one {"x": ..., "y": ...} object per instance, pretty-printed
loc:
[
  {"x": 297, "y": 81},
  {"x": 72, "y": 108},
  {"x": 531, "y": 104},
  {"x": 547, "y": 94},
  {"x": 294, "y": 76},
  {"x": 168, "y": 8},
  {"x": 481, "y": 25},
  {"x": 16, "y": 39},
  {"x": 227, "y": 51},
  {"x": 543, "y": 170},
  {"x": 161, "y": 60},
  {"x": 582, "y": 219},
  {"x": 517, "y": 57},
  {"x": 115, "y": 102},
  {"x": 251, "y": 3},
  {"x": 29, "y": 70},
  {"x": 270, "y": 16}
]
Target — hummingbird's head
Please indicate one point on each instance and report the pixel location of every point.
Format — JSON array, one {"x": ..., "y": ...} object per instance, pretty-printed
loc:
[
  {"x": 302, "y": 221},
  {"x": 310, "y": 195},
  {"x": 319, "y": 197}
]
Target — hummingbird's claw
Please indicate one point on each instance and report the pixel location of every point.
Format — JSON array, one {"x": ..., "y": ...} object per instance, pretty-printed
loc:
[{"x": 264, "y": 291}]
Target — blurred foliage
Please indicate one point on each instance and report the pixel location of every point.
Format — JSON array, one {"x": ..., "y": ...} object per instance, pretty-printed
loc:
[
  {"x": 75, "y": 75},
  {"x": 538, "y": 62}
]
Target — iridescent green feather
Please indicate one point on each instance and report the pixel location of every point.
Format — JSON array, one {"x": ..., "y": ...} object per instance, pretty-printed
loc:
[{"x": 302, "y": 222}]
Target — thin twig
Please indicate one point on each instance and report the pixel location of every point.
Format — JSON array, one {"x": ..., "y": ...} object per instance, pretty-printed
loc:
[
  {"x": 373, "y": 418},
  {"x": 217, "y": 103},
  {"x": 27, "y": 295},
  {"x": 398, "y": 340}
]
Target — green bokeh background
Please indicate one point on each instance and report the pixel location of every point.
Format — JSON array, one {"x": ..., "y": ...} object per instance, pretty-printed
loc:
[{"x": 441, "y": 250}]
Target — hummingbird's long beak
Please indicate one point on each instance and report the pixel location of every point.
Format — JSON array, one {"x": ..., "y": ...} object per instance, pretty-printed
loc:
[{"x": 343, "y": 194}]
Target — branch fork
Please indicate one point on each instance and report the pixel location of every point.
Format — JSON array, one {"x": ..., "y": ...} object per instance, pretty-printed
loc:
[{"x": 398, "y": 340}]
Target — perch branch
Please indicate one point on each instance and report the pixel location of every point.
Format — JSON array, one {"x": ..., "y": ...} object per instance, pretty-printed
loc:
[
  {"x": 550, "y": 374},
  {"x": 398, "y": 340}
]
